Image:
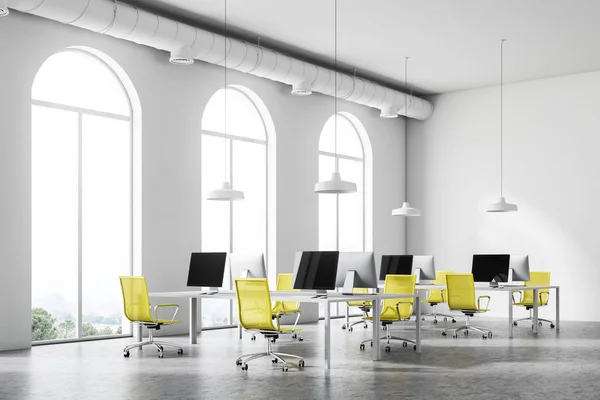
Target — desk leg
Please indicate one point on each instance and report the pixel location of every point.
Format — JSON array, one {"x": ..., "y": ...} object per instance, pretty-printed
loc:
[
  {"x": 193, "y": 320},
  {"x": 327, "y": 335},
  {"x": 376, "y": 327},
  {"x": 240, "y": 329},
  {"x": 347, "y": 314},
  {"x": 510, "y": 314},
  {"x": 557, "y": 309},
  {"x": 535, "y": 311},
  {"x": 418, "y": 323}
]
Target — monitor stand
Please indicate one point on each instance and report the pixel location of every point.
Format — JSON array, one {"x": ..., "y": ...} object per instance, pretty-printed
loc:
[
  {"x": 245, "y": 273},
  {"x": 211, "y": 290},
  {"x": 494, "y": 284},
  {"x": 349, "y": 282},
  {"x": 321, "y": 294},
  {"x": 418, "y": 274}
]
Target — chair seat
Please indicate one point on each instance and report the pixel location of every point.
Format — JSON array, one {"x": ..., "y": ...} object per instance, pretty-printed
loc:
[
  {"x": 367, "y": 303},
  {"x": 284, "y": 312},
  {"x": 158, "y": 322},
  {"x": 433, "y": 303},
  {"x": 384, "y": 319},
  {"x": 527, "y": 305},
  {"x": 471, "y": 312}
]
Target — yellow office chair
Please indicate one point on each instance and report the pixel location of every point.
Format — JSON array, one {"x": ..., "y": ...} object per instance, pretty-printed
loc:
[
  {"x": 285, "y": 283},
  {"x": 535, "y": 279},
  {"x": 363, "y": 305},
  {"x": 437, "y": 296},
  {"x": 461, "y": 297},
  {"x": 256, "y": 316},
  {"x": 394, "y": 310},
  {"x": 136, "y": 305}
]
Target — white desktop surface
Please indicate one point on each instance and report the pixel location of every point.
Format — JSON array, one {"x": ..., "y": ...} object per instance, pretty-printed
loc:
[{"x": 306, "y": 297}]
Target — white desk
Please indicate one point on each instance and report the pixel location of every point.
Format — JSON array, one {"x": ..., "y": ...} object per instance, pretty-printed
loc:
[
  {"x": 510, "y": 290},
  {"x": 305, "y": 297}
]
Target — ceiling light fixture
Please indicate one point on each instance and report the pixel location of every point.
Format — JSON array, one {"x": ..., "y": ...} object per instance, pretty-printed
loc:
[
  {"x": 501, "y": 205},
  {"x": 335, "y": 185},
  {"x": 406, "y": 210},
  {"x": 225, "y": 192},
  {"x": 4, "y": 11},
  {"x": 182, "y": 56}
]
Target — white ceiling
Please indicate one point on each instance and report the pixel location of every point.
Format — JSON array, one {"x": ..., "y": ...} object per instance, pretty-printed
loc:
[{"x": 453, "y": 45}]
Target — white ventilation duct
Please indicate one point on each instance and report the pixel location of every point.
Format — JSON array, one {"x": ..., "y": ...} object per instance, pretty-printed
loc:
[{"x": 131, "y": 23}]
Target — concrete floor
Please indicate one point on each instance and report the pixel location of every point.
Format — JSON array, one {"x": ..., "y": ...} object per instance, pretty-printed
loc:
[{"x": 552, "y": 366}]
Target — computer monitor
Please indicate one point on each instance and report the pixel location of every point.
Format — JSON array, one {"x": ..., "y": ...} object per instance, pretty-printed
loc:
[
  {"x": 491, "y": 268},
  {"x": 247, "y": 265},
  {"x": 316, "y": 270},
  {"x": 356, "y": 269},
  {"x": 207, "y": 270},
  {"x": 395, "y": 265},
  {"x": 424, "y": 268},
  {"x": 519, "y": 266}
]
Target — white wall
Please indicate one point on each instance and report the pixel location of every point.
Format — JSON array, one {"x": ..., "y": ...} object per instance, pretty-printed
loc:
[
  {"x": 172, "y": 100},
  {"x": 551, "y": 163}
]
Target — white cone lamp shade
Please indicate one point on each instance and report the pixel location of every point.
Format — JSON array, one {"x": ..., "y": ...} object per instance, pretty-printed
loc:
[
  {"x": 406, "y": 211},
  {"x": 4, "y": 8},
  {"x": 335, "y": 185},
  {"x": 502, "y": 206},
  {"x": 225, "y": 193}
]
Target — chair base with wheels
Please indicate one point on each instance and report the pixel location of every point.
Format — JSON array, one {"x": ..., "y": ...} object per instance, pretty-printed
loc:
[
  {"x": 160, "y": 345},
  {"x": 486, "y": 333},
  {"x": 275, "y": 357},
  {"x": 350, "y": 324},
  {"x": 294, "y": 335},
  {"x": 530, "y": 318},
  {"x": 435, "y": 315},
  {"x": 389, "y": 337}
]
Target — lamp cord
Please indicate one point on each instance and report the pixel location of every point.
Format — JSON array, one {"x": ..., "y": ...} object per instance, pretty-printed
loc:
[
  {"x": 501, "y": 113},
  {"x": 406, "y": 128},
  {"x": 225, "y": 89},
  {"x": 335, "y": 116}
]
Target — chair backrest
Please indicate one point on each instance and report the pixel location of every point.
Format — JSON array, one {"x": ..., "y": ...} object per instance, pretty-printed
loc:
[
  {"x": 285, "y": 283},
  {"x": 254, "y": 303},
  {"x": 436, "y": 295},
  {"x": 399, "y": 284},
  {"x": 461, "y": 292},
  {"x": 537, "y": 279},
  {"x": 136, "y": 303},
  {"x": 360, "y": 303}
]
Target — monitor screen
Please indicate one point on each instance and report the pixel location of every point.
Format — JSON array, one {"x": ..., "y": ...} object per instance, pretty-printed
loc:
[
  {"x": 207, "y": 269},
  {"x": 396, "y": 265},
  {"x": 490, "y": 267},
  {"x": 317, "y": 270}
]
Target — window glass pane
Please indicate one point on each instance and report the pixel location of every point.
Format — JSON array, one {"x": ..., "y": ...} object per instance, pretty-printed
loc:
[
  {"x": 249, "y": 216},
  {"x": 351, "y": 208},
  {"x": 54, "y": 223},
  {"x": 215, "y": 221},
  {"x": 106, "y": 222},
  {"x": 348, "y": 141},
  {"x": 327, "y": 207},
  {"x": 77, "y": 79},
  {"x": 243, "y": 119}
]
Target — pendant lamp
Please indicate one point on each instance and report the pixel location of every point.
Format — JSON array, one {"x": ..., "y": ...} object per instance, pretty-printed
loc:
[
  {"x": 225, "y": 192},
  {"x": 406, "y": 210},
  {"x": 501, "y": 205},
  {"x": 335, "y": 185}
]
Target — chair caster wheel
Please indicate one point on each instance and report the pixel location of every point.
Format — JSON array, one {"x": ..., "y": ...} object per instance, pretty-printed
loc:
[
  {"x": 422, "y": 318},
  {"x": 274, "y": 361},
  {"x": 126, "y": 354},
  {"x": 238, "y": 362},
  {"x": 444, "y": 334},
  {"x": 273, "y": 340},
  {"x": 284, "y": 369},
  {"x": 453, "y": 321},
  {"x": 179, "y": 351},
  {"x": 350, "y": 329},
  {"x": 445, "y": 319},
  {"x": 160, "y": 355},
  {"x": 455, "y": 336},
  {"x": 371, "y": 344},
  {"x": 485, "y": 336},
  {"x": 489, "y": 334},
  {"x": 466, "y": 333},
  {"x": 301, "y": 364},
  {"x": 515, "y": 323},
  {"x": 552, "y": 326},
  {"x": 294, "y": 336},
  {"x": 343, "y": 327},
  {"x": 540, "y": 323},
  {"x": 362, "y": 346},
  {"x": 388, "y": 349},
  {"x": 365, "y": 326},
  {"x": 404, "y": 344},
  {"x": 435, "y": 321},
  {"x": 300, "y": 338},
  {"x": 245, "y": 367},
  {"x": 415, "y": 347},
  {"x": 253, "y": 337}
]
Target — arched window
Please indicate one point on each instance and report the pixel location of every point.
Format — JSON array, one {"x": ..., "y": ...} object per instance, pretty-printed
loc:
[
  {"x": 345, "y": 220},
  {"x": 244, "y": 159},
  {"x": 82, "y": 196}
]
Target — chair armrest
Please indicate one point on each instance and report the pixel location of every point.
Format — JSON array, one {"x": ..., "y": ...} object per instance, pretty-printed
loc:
[
  {"x": 412, "y": 309},
  {"x": 520, "y": 296},
  {"x": 443, "y": 292},
  {"x": 488, "y": 298},
  {"x": 166, "y": 305},
  {"x": 541, "y": 300}
]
